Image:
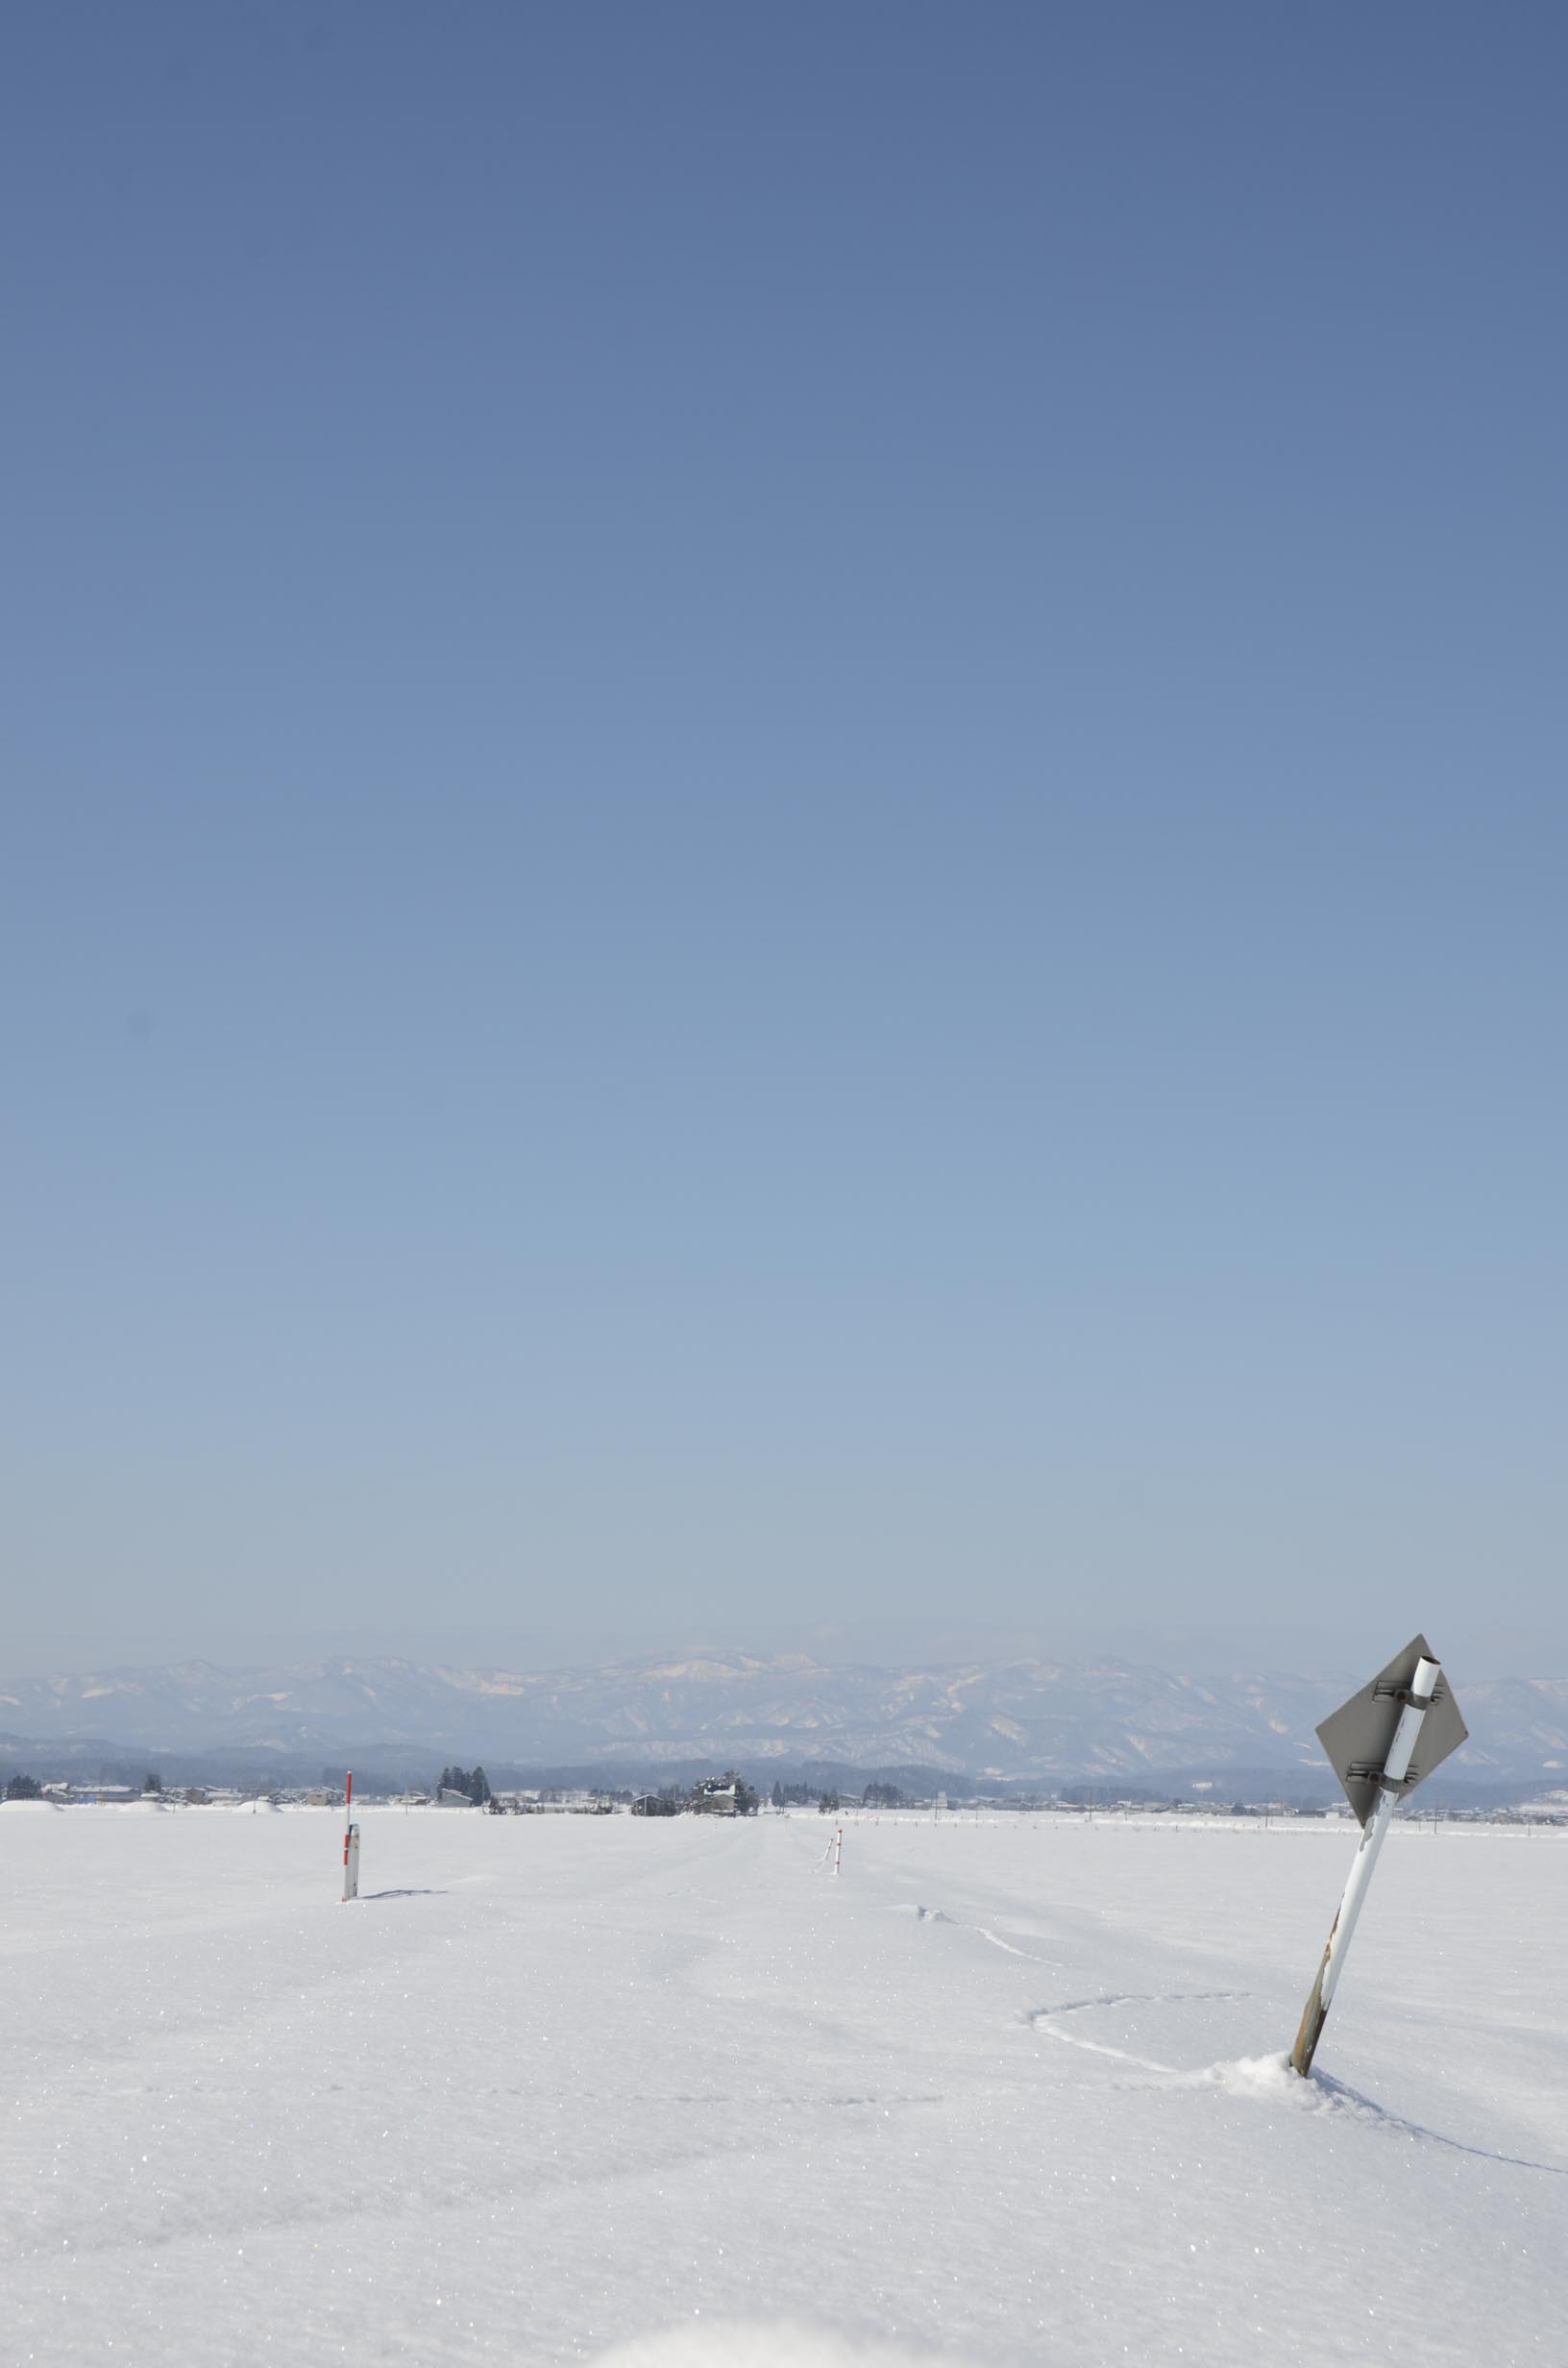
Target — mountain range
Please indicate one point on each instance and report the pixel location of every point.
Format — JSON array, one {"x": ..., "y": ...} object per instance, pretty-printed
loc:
[{"x": 1017, "y": 1721}]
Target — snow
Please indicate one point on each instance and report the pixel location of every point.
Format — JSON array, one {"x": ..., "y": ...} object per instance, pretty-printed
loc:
[
  {"x": 786, "y": 2344},
  {"x": 668, "y": 2093}
]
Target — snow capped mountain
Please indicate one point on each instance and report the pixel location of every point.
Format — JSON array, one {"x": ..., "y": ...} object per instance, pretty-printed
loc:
[{"x": 1016, "y": 1720}]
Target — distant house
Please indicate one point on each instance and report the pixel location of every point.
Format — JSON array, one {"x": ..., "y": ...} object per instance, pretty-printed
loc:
[
  {"x": 447, "y": 1798},
  {"x": 654, "y": 1804},
  {"x": 729, "y": 1795},
  {"x": 563, "y": 1802}
]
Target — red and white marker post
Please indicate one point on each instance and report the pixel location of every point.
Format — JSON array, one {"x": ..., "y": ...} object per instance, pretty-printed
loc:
[
  {"x": 351, "y": 1843},
  {"x": 838, "y": 1851}
]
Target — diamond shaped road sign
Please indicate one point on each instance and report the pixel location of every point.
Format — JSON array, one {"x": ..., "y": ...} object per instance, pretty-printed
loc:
[{"x": 1358, "y": 1735}]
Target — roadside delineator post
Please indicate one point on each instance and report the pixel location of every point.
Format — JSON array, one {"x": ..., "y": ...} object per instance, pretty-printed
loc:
[
  {"x": 351, "y": 1843},
  {"x": 838, "y": 1851},
  {"x": 1371, "y": 1742}
]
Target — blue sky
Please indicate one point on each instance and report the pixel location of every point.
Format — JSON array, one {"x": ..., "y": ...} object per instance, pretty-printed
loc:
[{"x": 783, "y": 824}]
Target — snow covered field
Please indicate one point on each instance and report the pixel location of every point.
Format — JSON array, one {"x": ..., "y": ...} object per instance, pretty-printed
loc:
[{"x": 557, "y": 2088}]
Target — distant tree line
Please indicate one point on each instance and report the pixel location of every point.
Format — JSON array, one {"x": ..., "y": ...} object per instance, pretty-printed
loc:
[
  {"x": 826, "y": 1799},
  {"x": 470, "y": 1780},
  {"x": 20, "y": 1787}
]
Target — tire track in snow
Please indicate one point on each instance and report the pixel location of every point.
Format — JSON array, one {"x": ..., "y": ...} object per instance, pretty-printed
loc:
[
  {"x": 1271, "y": 2077},
  {"x": 1263, "y": 2077},
  {"x": 1047, "y": 2019},
  {"x": 940, "y": 1915}
]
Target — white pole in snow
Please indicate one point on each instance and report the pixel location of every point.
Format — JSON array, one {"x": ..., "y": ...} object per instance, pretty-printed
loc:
[
  {"x": 838, "y": 1851},
  {"x": 351, "y": 1843},
  {"x": 1417, "y": 1703}
]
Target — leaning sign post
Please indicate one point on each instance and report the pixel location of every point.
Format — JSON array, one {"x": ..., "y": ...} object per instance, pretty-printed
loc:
[{"x": 1380, "y": 1743}]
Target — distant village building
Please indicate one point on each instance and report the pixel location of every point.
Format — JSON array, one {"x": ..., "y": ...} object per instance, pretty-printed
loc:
[
  {"x": 575, "y": 1802},
  {"x": 729, "y": 1795}
]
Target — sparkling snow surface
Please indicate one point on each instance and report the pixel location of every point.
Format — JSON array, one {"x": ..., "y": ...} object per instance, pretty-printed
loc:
[{"x": 668, "y": 2092}]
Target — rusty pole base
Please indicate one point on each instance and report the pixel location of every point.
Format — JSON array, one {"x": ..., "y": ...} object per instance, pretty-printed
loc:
[{"x": 1314, "y": 2014}]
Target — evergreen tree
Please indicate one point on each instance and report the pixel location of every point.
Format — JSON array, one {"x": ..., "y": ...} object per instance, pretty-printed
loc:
[
  {"x": 478, "y": 1788},
  {"x": 22, "y": 1787}
]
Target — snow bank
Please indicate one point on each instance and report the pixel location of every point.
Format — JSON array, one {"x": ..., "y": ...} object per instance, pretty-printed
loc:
[
  {"x": 785, "y": 2343},
  {"x": 27, "y": 1809}
]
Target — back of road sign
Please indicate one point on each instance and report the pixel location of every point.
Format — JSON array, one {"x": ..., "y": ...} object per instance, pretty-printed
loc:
[{"x": 1358, "y": 1735}]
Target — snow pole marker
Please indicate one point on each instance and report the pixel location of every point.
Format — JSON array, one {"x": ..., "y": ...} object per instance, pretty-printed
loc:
[
  {"x": 351, "y": 1843},
  {"x": 838, "y": 1851},
  {"x": 1376, "y": 1766}
]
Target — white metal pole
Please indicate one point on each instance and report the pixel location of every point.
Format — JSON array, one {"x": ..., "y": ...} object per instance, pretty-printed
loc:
[
  {"x": 1417, "y": 1703},
  {"x": 351, "y": 1843}
]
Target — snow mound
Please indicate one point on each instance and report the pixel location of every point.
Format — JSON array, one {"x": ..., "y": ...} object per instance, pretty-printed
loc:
[
  {"x": 1270, "y": 2080},
  {"x": 29, "y": 1808},
  {"x": 1250, "y": 2075},
  {"x": 784, "y": 2343}
]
